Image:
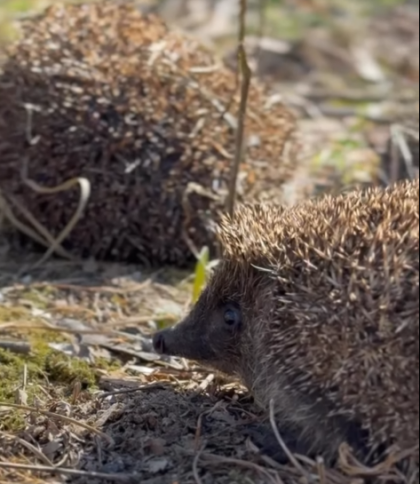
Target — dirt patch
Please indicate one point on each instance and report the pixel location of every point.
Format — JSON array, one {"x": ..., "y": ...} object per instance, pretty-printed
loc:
[
  {"x": 152, "y": 435},
  {"x": 157, "y": 434}
]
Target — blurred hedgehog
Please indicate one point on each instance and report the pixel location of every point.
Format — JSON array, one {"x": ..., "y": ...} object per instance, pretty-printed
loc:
[
  {"x": 148, "y": 115},
  {"x": 316, "y": 308}
]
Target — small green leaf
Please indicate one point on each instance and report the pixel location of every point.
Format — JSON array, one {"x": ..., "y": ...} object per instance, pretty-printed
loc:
[{"x": 200, "y": 273}]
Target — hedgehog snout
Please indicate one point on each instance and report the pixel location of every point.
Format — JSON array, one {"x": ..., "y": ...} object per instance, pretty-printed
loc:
[
  {"x": 184, "y": 341},
  {"x": 172, "y": 342},
  {"x": 159, "y": 343}
]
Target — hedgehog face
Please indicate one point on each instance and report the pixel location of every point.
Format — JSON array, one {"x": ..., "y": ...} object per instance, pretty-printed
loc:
[
  {"x": 209, "y": 335},
  {"x": 225, "y": 323}
]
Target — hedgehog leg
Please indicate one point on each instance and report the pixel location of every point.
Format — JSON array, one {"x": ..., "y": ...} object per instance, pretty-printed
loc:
[{"x": 264, "y": 438}]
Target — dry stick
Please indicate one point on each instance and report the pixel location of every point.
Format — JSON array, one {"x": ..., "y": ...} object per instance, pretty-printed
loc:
[
  {"x": 145, "y": 388},
  {"x": 215, "y": 459},
  {"x": 246, "y": 81},
  {"x": 398, "y": 138},
  {"x": 17, "y": 347},
  {"x": 414, "y": 478},
  {"x": 41, "y": 456},
  {"x": 352, "y": 467},
  {"x": 85, "y": 192},
  {"x": 361, "y": 96},
  {"x": 48, "y": 239},
  {"x": 290, "y": 456},
  {"x": 53, "y": 329},
  {"x": 23, "y": 482},
  {"x": 59, "y": 417},
  {"x": 200, "y": 423},
  {"x": 101, "y": 289},
  {"x": 69, "y": 472},
  {"x": 322, "y": 472},
  {"x": 7, "y": 213},
  {"x": 195, "y": 466}
]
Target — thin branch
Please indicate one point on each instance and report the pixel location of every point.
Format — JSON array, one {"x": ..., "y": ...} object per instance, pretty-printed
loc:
[
  {"x": 85, "y": 192},
  {"x": 70, "y": 472},
  {"x": 63, "y": 418},
  {"x": 38, "y": 453},
  {"x": 246, "y": 81},
  {"x": 195, "y": 467},
  {"x": 283, "y": 445},
  {"x": 17, "y": 347},
  {"x": 219, "y": 460}
]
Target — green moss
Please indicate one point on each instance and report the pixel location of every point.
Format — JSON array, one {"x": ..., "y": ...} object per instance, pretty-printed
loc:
[
  {"x": 47, "y": 372},
  {"x": 12, "y": 371},
  {"x": 14, "y": 420},
  {"x": 65, "y": 370},
  {"x": 44, "y": 367}
]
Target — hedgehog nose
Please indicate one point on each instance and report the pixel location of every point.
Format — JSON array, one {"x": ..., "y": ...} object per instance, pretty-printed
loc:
[{"x": 159, "y": 343}]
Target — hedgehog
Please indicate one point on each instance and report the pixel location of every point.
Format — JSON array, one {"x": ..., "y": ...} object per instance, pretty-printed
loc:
[
  {"x": 315, "y": 308},
  {"x": 148, "y": 115}
]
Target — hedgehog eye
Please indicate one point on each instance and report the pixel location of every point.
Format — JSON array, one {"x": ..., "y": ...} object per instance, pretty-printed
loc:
[{"x": 232, "y": 317}]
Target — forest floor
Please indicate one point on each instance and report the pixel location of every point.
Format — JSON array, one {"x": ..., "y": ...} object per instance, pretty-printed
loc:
[{"x": 83, "y": 397}]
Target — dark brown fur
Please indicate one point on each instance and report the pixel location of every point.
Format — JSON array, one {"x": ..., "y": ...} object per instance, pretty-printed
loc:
[{"x": 328, "y": 297}]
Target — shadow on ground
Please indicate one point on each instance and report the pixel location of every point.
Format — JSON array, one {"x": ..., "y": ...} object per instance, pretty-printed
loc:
[{"x": 157, "y": 434}]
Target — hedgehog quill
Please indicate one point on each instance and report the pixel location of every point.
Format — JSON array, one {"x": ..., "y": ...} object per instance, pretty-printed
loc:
[{"x": 316, "y": 308}]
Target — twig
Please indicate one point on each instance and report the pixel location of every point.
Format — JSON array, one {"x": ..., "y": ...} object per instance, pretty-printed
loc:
[
  {"x": 52, "y": 329},
  {"x": 399, "y": 140},
  {"x": 70, "y": 472},
  {"x": 85, "y": 191},
  {"x": 365, "y": 96},
  {"x": 18, "y": 347},
  {"x": 352, "y": 467},
  {"x": 283, "y": 445},
  {"x": 349, "y": 112},
  {"x": 93, "y": 289},
  {"x": 41, "y": 235},
  {"x": 215, "y": 459},
  {"x": 246, "y": 81},
  {"x": 41, "y": 456},
  {"x": 200, "y": 423},
  {"x": 322, "y": 473},
  {"x": 7, "y": 214},
  {"x": 195, "y": 466},
  {"x": 59, "y": 417},
  {"x": 415, "y": 477},
  {"x": 145, "y": 388}
]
